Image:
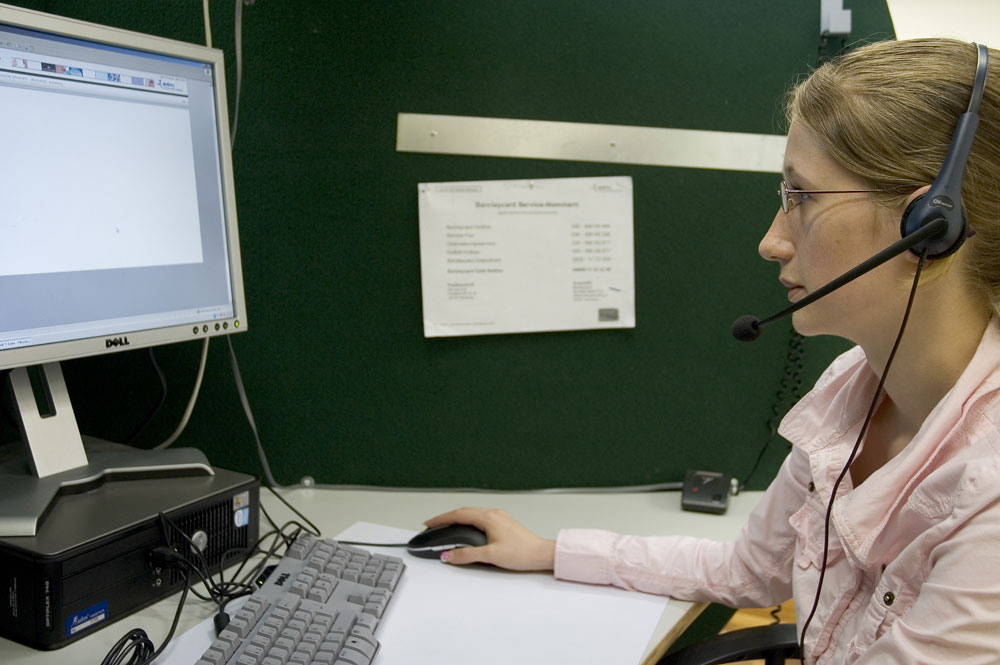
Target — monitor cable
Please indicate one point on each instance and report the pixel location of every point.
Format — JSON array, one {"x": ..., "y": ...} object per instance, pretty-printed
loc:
[{"x": 238, "y": 47}]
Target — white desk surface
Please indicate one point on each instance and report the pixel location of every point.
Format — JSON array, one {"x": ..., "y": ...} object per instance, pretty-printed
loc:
[{"x": 655, "y": 513}]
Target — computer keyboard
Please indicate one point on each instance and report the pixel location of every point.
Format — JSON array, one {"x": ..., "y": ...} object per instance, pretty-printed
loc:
[{"x": 320, "y": 605}]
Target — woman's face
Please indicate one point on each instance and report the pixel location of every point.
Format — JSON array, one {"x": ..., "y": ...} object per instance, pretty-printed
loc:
[{"x": 825, "y": 235}]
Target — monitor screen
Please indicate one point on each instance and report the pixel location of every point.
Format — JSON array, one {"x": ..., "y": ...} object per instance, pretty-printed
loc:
[
  {"x": 117, "y": 219},
  {"x": 117, "y": 210}
]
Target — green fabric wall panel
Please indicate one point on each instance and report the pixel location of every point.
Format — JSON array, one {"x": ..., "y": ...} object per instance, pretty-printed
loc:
[{"x": 334, "y": 360}]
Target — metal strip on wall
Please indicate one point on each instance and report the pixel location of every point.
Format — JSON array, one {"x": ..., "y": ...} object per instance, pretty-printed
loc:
[{"x": 574, "y": 141}]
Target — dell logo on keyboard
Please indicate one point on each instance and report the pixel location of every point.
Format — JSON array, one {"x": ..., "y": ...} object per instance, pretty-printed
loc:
[
  {"x": 115, "y": 341},
  {"x": 281, "y": 579}
]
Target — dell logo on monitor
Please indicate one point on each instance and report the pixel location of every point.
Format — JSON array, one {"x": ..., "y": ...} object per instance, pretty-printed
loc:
[{"x": 115, "y": 341}]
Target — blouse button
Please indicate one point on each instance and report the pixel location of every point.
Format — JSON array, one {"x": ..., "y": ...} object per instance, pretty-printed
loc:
[
  {"x": 889, "y": 598},
  {"x": 812, "y": 486}
]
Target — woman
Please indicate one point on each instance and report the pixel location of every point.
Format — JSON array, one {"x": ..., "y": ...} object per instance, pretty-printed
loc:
[{"x": 911, "y": 572}]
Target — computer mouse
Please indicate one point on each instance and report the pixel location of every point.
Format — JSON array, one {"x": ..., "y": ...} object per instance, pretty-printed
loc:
[{"x": 429, "y": 544}]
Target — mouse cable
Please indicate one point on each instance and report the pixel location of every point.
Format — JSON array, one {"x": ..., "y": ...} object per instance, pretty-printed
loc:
[
  {"x": 854, "y": 452},
  {"x": 360, "y": 544},
  {"x": 315, "y": 530}
]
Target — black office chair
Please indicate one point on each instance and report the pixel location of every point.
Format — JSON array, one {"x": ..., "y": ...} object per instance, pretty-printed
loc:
[{"x": 773, "y": 644}]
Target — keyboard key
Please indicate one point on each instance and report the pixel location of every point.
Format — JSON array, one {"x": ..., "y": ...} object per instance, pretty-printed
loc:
[
  {"x": 239, "y": 626},
  {"x": 301, "y": 547},
  {"x": 213, "y": 657},
  {"x": 368, "y": 621},
  {"x": 365, "y": 635},
  {"x": 349, "y": 656}
]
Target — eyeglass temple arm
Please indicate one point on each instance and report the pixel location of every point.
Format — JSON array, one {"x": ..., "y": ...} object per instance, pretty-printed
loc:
[{"x": 833, "y": 191}]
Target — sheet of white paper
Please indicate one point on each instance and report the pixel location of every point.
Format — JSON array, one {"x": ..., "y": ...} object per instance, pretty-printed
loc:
[
  {"x": 448, "y": 614},
  {"x": 513, "y": 256},
  {"x": 970, "y": 20}
]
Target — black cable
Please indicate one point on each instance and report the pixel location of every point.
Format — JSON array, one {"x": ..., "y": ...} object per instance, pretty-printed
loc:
[
  {"x": 359, "y": 544},
  {"x": 173, "y": 626},
  {"x": 267, "y": 516},
  {"x": 278, "y": 540},
  {"x": 156, "y": 409},
  {"x": 135, "y": 647},
  {"x": 315, "y": 529},
  {"x": 854, "y": 452},
  {"x": 223, "y": 591}
]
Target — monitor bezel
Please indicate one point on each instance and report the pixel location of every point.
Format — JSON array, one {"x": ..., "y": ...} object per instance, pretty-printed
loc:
[{"x": 136, "y": 339}]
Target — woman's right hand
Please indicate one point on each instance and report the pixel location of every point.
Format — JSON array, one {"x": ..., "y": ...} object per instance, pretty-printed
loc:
[{"x": 509, "y": 544}]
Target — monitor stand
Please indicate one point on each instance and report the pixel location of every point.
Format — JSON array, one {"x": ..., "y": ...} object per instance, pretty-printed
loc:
[{"x": 58, "y": 461}]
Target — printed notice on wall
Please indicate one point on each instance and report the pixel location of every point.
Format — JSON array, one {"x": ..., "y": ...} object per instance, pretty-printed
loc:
[{"x": 512, "y": 256}]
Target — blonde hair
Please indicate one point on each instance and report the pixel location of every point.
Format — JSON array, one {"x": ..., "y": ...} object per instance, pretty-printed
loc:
[{"x": 886, "y": 112}]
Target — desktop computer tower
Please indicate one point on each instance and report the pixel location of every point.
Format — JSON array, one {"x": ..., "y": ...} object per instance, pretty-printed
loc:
[{"x": 89, "y": 564}]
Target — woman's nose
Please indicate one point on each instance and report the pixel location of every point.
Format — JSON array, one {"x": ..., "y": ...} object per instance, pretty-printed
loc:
[{"x": 776, "y": 245}]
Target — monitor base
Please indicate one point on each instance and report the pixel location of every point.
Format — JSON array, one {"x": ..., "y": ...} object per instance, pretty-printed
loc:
[{"x": 27, "y": 499}]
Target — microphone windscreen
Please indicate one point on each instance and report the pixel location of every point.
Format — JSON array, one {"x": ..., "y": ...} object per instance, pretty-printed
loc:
[{"x": 746, "y": 329}]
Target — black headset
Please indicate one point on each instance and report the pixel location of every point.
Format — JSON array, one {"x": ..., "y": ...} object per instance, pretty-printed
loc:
[{"x": 944, "y": 199}]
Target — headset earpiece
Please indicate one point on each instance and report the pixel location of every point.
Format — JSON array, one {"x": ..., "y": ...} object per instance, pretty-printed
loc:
[
  {"x": 944, "y": 198},
  {"x": 922, "y": 211}
]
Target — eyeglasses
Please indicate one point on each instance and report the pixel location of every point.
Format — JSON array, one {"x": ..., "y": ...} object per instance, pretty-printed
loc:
[{"x": 793, "y": 197}]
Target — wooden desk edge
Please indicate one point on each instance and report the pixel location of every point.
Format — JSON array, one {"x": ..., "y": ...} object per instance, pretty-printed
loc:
[{"x": 678, "y": 628}]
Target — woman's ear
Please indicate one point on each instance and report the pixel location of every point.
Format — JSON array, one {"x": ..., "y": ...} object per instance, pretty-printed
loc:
[{"x": 919, "y": 191}]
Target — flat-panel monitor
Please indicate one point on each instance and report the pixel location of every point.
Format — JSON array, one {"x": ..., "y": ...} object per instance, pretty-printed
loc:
[{"x": 117, "y": 230}]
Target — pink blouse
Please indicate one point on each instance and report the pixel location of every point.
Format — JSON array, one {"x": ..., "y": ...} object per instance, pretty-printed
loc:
[{"x": 913, "y": 571}]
